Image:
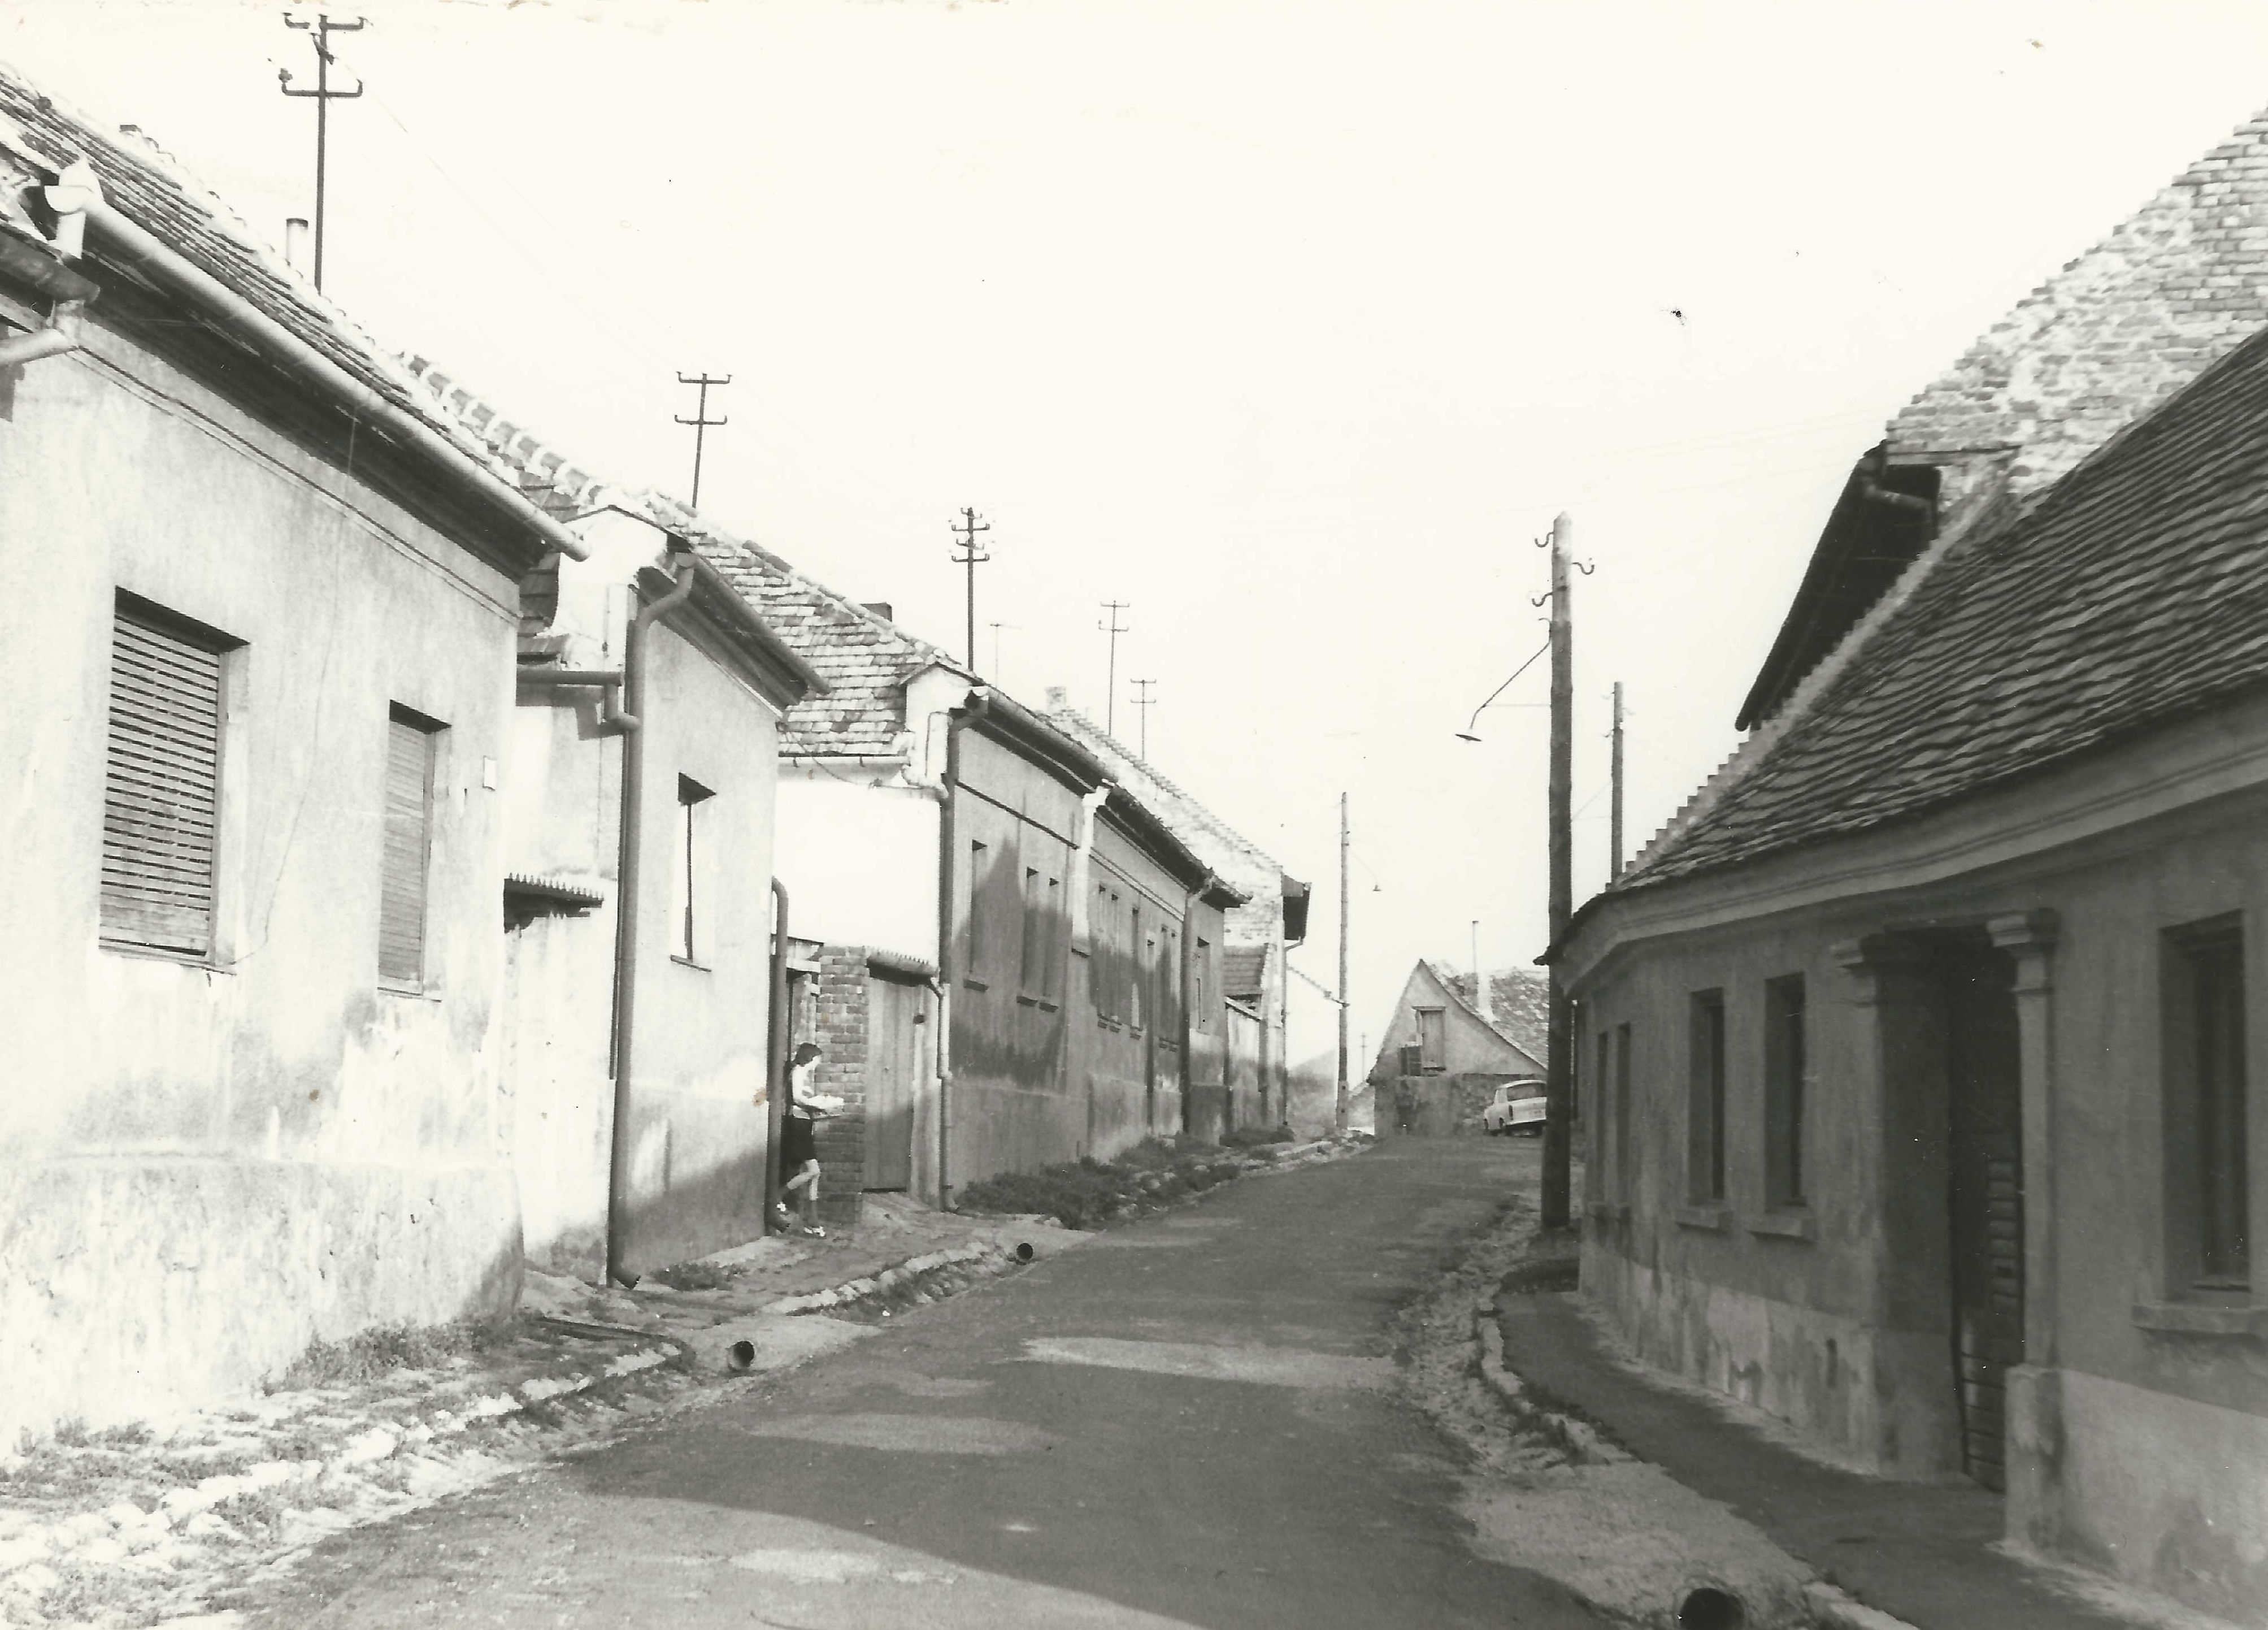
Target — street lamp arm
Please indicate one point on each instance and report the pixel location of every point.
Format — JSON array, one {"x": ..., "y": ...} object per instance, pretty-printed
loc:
[{"x": 1473, "y": 723}]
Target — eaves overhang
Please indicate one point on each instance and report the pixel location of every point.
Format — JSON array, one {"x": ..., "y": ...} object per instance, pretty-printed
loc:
[
  {"x": 781, "y": 676},
  {"x": 1016, "y": 727}
]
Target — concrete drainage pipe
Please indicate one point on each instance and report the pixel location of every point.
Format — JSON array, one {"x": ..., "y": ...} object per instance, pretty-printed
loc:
[{"x": 1708, "y": 1608}]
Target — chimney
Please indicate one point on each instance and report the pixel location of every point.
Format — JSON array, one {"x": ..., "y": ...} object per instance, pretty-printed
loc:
[
  {"x": 1058, "y": 699},
  {"x": 879, "y": 608},
  {"x": 1482, "y": 1005},
  {"x": 295, "y": 242}
]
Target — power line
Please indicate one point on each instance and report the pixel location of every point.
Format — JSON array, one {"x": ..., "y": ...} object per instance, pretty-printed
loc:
[
  {"x": 701, "y": 422},
  {"x": 1113, "y": 628},
  {"x": 318, "y": 35}
]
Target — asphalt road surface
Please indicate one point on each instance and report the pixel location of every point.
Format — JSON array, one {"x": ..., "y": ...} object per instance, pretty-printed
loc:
[{"x": 1190, "y": 1422}]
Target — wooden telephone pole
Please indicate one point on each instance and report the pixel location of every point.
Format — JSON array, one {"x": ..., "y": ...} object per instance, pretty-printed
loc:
[
  {"x": 318, "y": 35},
  {"x": 969, "y": 553},
  {"x": 1113, "y": 627},
  {"x": 1559, "y": 1064},
  {"x": 1339, "y": 1117},
  {"x": 1615, "y": 798},
  {"x": 700, "y": 422}
]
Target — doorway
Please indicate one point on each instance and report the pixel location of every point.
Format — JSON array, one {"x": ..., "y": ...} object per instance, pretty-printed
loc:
[
  {"x": 1986, "y": 1194},
  {"x": 894, "y": 1071}
]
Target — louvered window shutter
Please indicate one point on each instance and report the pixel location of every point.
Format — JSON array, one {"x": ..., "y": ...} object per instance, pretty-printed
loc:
[
  {"x": 161, "y": 789},
  {"x": 401, "y": 891}
]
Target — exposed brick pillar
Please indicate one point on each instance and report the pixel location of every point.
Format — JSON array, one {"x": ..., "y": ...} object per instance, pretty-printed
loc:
[{"x": 841, "y": 1033}]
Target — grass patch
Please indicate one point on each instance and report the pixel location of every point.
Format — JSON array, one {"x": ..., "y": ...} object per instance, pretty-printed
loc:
[
  {"x": 1088, "y": 1193},
  {"x": 371, "y": 1354}
]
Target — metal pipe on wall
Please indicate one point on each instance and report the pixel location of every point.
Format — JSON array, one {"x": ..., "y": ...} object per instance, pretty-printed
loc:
[{"x": 775, "y": 1044}]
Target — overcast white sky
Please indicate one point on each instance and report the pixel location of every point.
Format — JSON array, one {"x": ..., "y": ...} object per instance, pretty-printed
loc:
[{"x": 1292, "y": 324}]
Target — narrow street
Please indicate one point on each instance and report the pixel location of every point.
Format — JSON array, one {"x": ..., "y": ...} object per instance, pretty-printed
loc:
[{"x": 1195, "y": 1422}]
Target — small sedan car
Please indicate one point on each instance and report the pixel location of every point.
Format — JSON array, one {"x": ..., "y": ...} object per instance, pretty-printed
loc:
[{"x": 1517, "y": 1109}]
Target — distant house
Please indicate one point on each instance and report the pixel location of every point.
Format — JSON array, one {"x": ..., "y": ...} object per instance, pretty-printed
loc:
[
  {"x": 1917, "y": 1046},
  {"x": 1438, "y": 1059},
  {"x": 260, "y": 600},
  {"x": 1256, "y": 972}
]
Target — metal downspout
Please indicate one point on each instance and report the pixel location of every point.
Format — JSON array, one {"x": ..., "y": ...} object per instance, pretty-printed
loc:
[
  {"x": 626, "y": 911},
  {"x": 776, "y": 1041}
]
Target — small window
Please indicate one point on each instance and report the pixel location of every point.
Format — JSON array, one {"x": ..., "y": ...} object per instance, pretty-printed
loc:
[
  {"x": 1626, "y": 1178},
  {"x": 1031, "y": 977},
  {"x": 2208, "y": 1189},
  {"x": 1601, "y": 1116},
  {"x": 689, "y": 866},
  {"x": 1432, "y": 1039},
  {"x": 161, "y": 783},
  {"x": 973, "y": 947},
  {"x": 1785, "y": 1056},
  {"x": 1169, "y": 988},
  {"x": 407, "y": 849},
  {"x": 1138, "y": 969},
  {"x": 1051, "y": 973},
  {"x": 1705, "y": 1099}
]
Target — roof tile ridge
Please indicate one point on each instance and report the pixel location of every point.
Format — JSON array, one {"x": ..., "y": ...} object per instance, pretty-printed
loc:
[
  {"x": 1220, "y": 827},
  {"x": 132, "y": 147},
  {"x": 514, "y": 445},
  {"x": 664, "y": 508},
  {"x": 1744, "y": 758}
]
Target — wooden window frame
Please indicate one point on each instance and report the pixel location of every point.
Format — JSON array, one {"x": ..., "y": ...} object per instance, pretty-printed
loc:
[
  {"x": 1440, "y": 1061},
  {"x": 2204, "y": 999},
  {"x": 688, "y": 876},
  {"x": 1787, "y": 1056},
  {"x": 406, "y": 724},
  {"x": 1705, "y": 1099},
  {"x": 165, "y": 640}
]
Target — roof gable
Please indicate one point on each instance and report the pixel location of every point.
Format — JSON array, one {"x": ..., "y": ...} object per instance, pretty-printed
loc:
[
  {"x": 2134, "y": 593},
  {"x": 2106, "y": 340}
]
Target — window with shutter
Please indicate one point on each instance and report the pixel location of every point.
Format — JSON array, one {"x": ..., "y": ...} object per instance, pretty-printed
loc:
[
  {"x": 408, "y": 829},
  {"x": 161, "y": 785}
]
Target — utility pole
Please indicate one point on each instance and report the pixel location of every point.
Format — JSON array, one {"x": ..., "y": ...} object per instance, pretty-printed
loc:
[
  {"x": 1559, "y": 1097},
  {"x": 1339, "y": 1118},
  {"x": 972, "y": 555},
  {"x": 996, "y": 628},
  {"x": 1615, "y": 798},
  {"x": 318, "y": 35},
  {"x": 701, "y": 422},
  {"x": 1113, "y": 628},
  {"x": 1143, "y": 700}
]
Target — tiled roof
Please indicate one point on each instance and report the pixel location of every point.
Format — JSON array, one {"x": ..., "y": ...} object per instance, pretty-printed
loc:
[
  {"x": 1228, "y": 851},
  {"x": 863, "y": 657},
  {"x": 149, "y": 188},
  {"x": 1242, "y": 969},
  {"x": 2134, "y": 593},
  {"x": 1519, "y": 1006},
  {"x": 2115, "y": 333}
]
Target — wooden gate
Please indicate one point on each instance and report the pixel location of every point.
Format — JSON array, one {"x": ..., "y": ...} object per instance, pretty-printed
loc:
[{"x": 892, "y": 1078}]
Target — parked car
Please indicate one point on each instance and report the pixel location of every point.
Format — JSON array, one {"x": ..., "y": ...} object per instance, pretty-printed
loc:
[{"x": 1517, "y": 1109}]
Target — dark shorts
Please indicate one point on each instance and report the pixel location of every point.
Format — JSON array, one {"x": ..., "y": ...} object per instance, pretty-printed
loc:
[{"x": 797, "y": 1145}]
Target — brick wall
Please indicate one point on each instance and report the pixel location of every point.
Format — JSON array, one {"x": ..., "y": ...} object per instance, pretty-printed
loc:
[{"x": 835, "y": 1018}]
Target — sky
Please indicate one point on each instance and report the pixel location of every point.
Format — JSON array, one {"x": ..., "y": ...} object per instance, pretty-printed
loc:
[{"x": 1291, "y": 325}]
